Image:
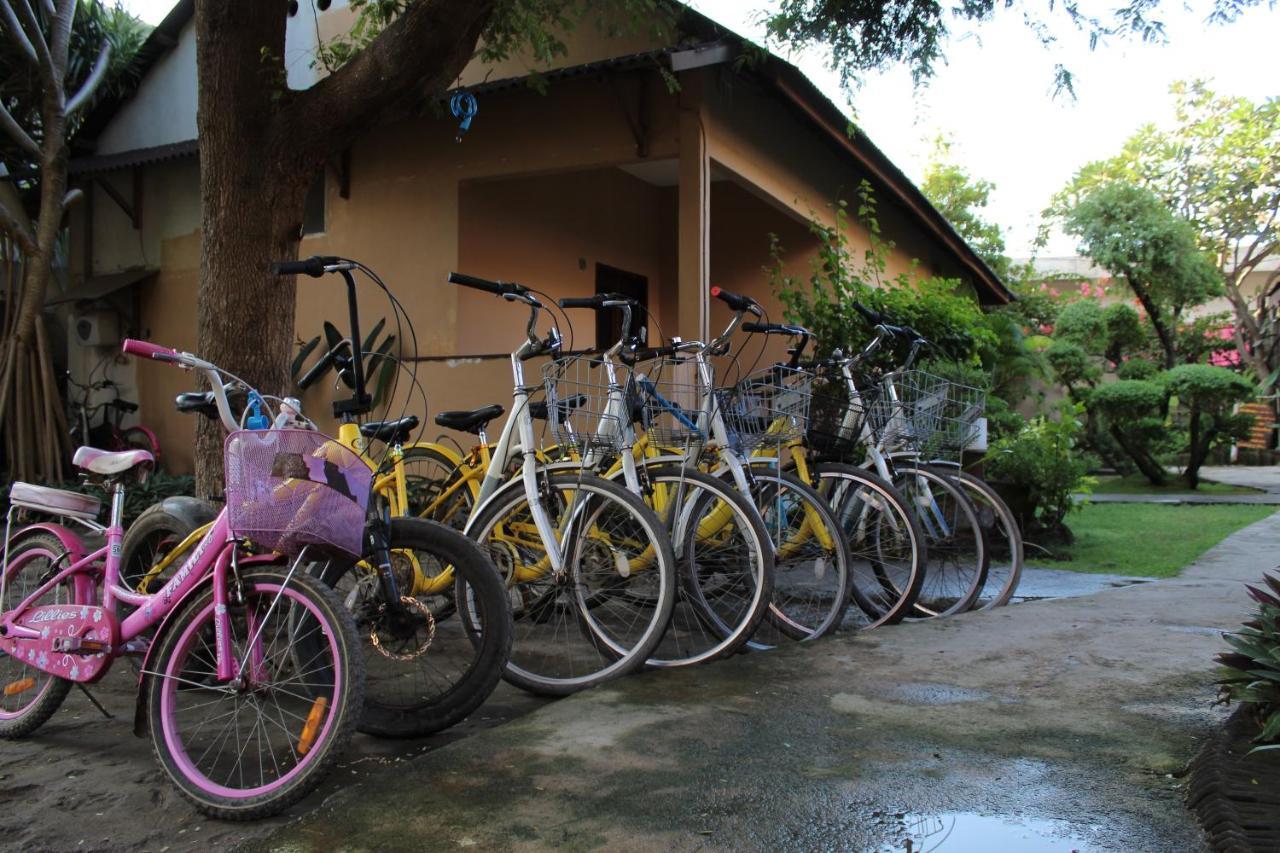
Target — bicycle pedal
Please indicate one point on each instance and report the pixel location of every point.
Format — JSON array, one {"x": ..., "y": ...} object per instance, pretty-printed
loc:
[{"x": 80, "y": 646}]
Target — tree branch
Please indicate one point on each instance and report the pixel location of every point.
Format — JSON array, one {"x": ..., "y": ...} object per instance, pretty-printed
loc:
[
  {"x": 82, "y": 97},
  {"x": 60, "y": 44},
  {"x": 414, "y": 58},
  {"x": 13, "y": 226},
  {"x": 43, "y": 59},
  {"x": 10, "y": 126},
  {"x": 16, "y": 33}
]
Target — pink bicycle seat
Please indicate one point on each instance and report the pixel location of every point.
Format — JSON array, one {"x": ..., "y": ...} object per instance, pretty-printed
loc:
[{"x": 106, "y": 463}]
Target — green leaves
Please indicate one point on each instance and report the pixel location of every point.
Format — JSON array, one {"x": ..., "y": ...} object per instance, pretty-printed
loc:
[{"x": 1251, "y": 671}]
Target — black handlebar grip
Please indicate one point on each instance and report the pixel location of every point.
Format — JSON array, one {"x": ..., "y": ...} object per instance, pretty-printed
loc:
[
  {"x": 582, "y": 302},
  {"x": 497, "y": 288},
  {"x": 736, "y": 302},
  {"x": 312, "y": 266},
  {"x": 875, "y": 318},
  {"x": 647, "y": 354}
]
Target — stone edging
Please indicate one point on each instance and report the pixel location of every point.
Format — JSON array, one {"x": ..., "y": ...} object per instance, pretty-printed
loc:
[{"x": 1235, "y": 796}]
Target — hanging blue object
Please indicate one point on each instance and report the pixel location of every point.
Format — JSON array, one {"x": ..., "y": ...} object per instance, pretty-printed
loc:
[
  {"x": 257, "y": 420},
  {"x": 463, "y": 106}
]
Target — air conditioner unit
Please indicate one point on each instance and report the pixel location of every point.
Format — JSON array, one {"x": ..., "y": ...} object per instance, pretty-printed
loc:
[{"x": 95, "y": 329}]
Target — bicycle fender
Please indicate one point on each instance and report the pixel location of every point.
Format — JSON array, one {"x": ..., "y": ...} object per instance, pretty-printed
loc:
[
  {"x": 444, "y": 450},
  {"x": 85, "y": 585},
  {"x": 144, "y": 679},
  {"x": 196, "y": 512}
]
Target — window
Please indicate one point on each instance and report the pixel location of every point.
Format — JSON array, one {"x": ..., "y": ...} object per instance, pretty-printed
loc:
[
  {"x": 313, "y": 213},
  {"x": 609, "y": 323}
]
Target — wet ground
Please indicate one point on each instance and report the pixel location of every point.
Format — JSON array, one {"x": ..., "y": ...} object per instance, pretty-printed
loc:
[{"x": 1057, "y": 724}]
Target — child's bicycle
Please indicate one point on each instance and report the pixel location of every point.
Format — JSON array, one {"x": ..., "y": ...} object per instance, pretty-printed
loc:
[{"x": 253, "y": 683}]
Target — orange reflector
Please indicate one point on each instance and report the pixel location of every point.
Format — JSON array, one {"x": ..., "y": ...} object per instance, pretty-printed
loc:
[
  {"x": 312, "y": 726},
  {"x": 20, "y": 686}
]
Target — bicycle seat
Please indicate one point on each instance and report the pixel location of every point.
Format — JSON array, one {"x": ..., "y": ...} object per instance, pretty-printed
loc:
[
  {"x": 195, "y": 401},
  {"x": 390, "y": 432},
  {"x": 109, "y": 464},
  {"x": 469, "y": 421},
  {"x": 538, "y": 410}
]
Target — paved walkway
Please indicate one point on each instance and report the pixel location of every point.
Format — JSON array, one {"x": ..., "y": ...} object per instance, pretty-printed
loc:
[
  {"x": 1266, "y": 478},
  {"x": 1049, "y": 725}
]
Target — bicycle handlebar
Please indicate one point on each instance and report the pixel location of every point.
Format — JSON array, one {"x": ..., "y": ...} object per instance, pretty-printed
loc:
[
  {"x": 145, "y": 349},
  {"x": 313, "y": 266},
  {"x": 648, "y": 354},
  {"x": 774, "y": 329},
  {"x": 597, "y": 302},
  {"x": 736, "y": 302},
  {"x": 497, "y": 288}
]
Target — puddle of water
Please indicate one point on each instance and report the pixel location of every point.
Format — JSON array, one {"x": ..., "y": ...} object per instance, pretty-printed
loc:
[{"x": 967, "y": 832}]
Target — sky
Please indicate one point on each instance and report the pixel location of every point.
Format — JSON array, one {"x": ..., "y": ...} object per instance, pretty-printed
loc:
[{"x": 993, "y": 98}]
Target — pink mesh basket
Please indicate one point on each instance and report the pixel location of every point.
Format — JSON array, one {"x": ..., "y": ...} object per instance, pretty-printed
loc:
[{"x": 290, "y": 488}]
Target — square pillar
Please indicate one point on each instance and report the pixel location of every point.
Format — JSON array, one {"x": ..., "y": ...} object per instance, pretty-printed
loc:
[{"x": 694, "y": 215}]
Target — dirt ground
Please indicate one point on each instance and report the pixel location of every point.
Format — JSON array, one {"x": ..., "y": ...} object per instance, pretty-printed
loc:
[
  {"x": 85, "y": 783},
  {"x": 1079, "y": 712}
]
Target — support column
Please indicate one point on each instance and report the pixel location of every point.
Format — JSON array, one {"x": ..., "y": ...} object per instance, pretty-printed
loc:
[{"x": 694, "y": 226}]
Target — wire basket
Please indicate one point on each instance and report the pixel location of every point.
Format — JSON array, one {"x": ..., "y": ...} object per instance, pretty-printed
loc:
[
  {"x": 669, "y": 396},
  {"x": 905, "y": 410},
  {"x": 835, "y": 421},
  {"x": 289, "y": 489},
  {"x": 770, "y": 406},
  {"x": 959, "y": 425},
  {"x": 578, "y": 410}
]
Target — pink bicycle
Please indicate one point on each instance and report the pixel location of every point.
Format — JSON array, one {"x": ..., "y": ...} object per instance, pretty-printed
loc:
[{"x": 253, "y": 683}]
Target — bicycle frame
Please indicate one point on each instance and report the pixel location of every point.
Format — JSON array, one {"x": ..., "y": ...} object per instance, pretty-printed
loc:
[{"x": 99, "y": 572}]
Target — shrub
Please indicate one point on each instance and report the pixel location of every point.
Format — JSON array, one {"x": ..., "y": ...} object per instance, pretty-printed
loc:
[
  {"x": 1125, "y": 332},
  {"x": 139, "y": 496},
  {"x": 1137, "y": 368},
  {"x": 1042, "y": 459},
  {"x": 1082, "y": 323},
  {"x": 1251, "y": 671},
  {"x": 1132, "y": 413},
  {"x": 1205, "y": 398},
  {"x": 1072, "y": 366}
]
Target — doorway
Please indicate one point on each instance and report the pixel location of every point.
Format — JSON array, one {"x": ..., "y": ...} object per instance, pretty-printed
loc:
[{"x": 631, "y": 285}]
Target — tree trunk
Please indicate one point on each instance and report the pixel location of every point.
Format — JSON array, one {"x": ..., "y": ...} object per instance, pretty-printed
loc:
[
  {"x": 260, "y": 146},
  {"x": 1150, "y": 468},
  {"x": 251, "y": 209}
]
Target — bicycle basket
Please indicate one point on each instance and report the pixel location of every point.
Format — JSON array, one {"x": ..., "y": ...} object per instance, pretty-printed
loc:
[
  {"x": 669, "y": 393},
  {"x": 958, "y": 427},
  {"x": 905, "y": 410},
  {"x": 288, "y": 489},
  {"x": 578, "y": 412},
  {"x": 835, "y": 421},
  {"x": 770, "y": 406}
]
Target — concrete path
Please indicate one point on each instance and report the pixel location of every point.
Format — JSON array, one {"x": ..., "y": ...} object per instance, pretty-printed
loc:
[
  {"x": 1049, "y": 725},
  {"x": 1266, "y": 478}
]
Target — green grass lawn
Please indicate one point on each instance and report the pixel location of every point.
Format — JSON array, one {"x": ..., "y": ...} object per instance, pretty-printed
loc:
[
  {"x": 1136, "y": 484},
  {"x": 1149, "y": 540}
]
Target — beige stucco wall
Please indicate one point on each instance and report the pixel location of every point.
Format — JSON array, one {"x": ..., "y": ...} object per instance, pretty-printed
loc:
[{"x": 534, "y": 193}]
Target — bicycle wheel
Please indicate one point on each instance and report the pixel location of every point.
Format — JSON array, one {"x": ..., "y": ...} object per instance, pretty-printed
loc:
[
  {"x": 251, "y": 747},
  {"x": 432, "y": 481},
  {"x": 725, "y": 565},
  {"x": 957, "y": 549},
  {"x": 29, "y": 695},
  {"x": 605, "y": 612},
  {"x": 811, "y": 563},
  {"x": 425, "y": 673},
  {"x": 1004, "y": 540},
  {"x": 887, "y": 549}
]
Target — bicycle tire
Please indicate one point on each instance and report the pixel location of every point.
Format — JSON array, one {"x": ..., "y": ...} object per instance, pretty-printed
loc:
[
  {"x": 958, "y": 556},
  {"x": 544, "y": 659},
  {"x": 139, "y": 438},
  {"x": 21, "y": 711},
  {"x": 884, "y": 539},
  {"x": 457, "y": 509},
  {"x": 340, "y": 676},
  {"x": 811, "y": 588},
  {"x": 450, "y": 675},
  {"x": 707, "y": 623},
  {"x": 1004, "y": 540}
]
